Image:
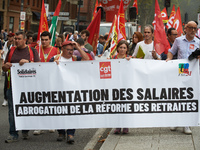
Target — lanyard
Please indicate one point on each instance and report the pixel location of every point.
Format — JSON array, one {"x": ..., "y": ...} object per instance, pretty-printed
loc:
[{"x": 45, "y": 59}]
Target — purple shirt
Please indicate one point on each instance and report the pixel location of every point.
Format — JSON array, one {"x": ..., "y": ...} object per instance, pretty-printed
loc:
[{"x": 77, "y": 53}]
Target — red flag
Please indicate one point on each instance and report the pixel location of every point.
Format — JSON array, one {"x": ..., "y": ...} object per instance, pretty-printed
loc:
[
  {"x": 178, "y": 23},
  {"x": 67, "y": 37},
  {"x": 93, "y": 28},
  {"x": 171, "y": 18},
  {"x": 95, "y": 9},
  {"x": 164, "y": 15},
  {"x": 135, "y": 5},
  {"x": 43, "y": 26},
  {"x": 121, "y": 23},
  {"x": 57, "y": 11},
  {"x": 161, "y": 43}
]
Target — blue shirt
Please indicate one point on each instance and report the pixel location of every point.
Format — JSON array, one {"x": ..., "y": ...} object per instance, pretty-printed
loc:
[
  {"x": 99, "y": 49},
  {"x": 183, "y": 47}
]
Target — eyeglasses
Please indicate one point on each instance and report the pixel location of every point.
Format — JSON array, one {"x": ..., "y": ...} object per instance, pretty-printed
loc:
[
  {"x": 147, "y": 32},
  {"x": 192, "y": 28},
  {"x": 174, "y": 34}
]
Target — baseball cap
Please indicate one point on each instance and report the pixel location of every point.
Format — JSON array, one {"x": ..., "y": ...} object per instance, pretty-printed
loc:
[
  {"x": 11, "y": 34},
  {"x": 67, "y": 43}
]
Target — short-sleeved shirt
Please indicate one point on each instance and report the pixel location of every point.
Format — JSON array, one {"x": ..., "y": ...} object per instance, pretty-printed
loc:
[
  {"x": 77, "y": 53},
  {"x": 147, "y": 49},
  {"x": 99, "y": 49},
  {"x": 183, "y": 47},
  {"x": 19, "y": 54},
  {"x": 62, "y": 59}
]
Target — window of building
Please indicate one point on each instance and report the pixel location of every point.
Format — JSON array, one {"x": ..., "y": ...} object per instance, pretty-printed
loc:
[
  {"x": 11, "y": 24},
  {"x": 17, "y": 1},
  {"x": 33, "y": 2},
  {"x": 28, "y": 2},
  {"x": 38, "y": 3}
]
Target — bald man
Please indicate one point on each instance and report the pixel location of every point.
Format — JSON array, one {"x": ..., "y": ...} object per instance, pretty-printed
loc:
[{"x": 184, "y": 46}]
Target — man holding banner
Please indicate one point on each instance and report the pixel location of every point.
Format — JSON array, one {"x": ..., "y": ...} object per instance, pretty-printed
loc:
[
  {"x": 21, "y": 53},
  {"x": 66, "y": 56},
  {"x": 184, "y": 46}
]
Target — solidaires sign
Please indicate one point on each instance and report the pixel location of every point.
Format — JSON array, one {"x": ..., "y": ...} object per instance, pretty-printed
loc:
[{"x": 106, "y": 94}]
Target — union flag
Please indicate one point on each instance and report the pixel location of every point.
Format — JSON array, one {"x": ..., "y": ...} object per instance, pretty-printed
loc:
[
  {"x": 164, "y": 15},
  {"x": 94, "y": 28},
  {"x": 161, "y": 43},
  {"x": 135, "y": 4},
  {"x": 43, "y": 25},
  {"x": 171, "y": 18},
  {"x": 177, "y": 24}
]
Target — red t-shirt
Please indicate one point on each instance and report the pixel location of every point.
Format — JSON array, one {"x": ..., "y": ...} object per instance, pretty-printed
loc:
[{"x": 47, "y": 53}]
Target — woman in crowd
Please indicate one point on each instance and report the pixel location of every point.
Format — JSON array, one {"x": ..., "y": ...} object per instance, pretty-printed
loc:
[
  {"x": 122, "y": 49},
  {"x": 137, "y": 37}
]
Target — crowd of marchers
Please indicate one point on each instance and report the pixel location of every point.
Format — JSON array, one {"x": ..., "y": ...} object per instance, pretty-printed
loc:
[{"x": 23, "y": 48}]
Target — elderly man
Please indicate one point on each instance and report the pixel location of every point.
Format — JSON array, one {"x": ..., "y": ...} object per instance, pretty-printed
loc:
[
  {"x": 21, "y": 53},
  {"x": 66, "y": 56},
  {"x": 184, "y": 46}
]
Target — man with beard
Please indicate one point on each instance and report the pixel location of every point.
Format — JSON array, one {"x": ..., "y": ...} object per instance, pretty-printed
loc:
[{"x": 85, "y": 35}]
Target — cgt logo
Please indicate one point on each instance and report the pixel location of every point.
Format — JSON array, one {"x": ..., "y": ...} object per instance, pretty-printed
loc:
[
  {"x": 184, "y": 69},
  {"x": 105, "y": 70}
]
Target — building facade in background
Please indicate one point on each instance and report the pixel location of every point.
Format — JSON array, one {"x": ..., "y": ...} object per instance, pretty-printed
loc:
[{"x": 10, "y": 14}]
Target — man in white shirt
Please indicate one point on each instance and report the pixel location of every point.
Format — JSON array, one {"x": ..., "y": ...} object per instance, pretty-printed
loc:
[
  {"x": 65, "y": 56},
  {"x": 147, "y": 45}
]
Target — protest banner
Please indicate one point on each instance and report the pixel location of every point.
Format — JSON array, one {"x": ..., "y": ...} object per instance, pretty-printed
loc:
[{"x": 106, "y": 94}]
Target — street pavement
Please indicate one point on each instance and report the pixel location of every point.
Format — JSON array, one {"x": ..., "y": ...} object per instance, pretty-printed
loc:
[
  {"x": 153, "y": 139},
  {"x": 84, "y": 138}
]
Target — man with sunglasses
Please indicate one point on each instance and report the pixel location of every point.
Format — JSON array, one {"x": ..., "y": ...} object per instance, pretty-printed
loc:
[{"x": 184, "y": 46}]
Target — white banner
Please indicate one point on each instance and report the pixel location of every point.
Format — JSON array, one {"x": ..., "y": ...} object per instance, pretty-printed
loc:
[
  {"x": 106, "y": 94},
  {"x": 198, "y": 19}
]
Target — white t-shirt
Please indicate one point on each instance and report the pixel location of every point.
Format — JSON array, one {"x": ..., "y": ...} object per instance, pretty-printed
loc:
[
  {"x": 63, "y": 59},
  {"x": 5, "y": 50},
  {"x": 147, "y": 49}
]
